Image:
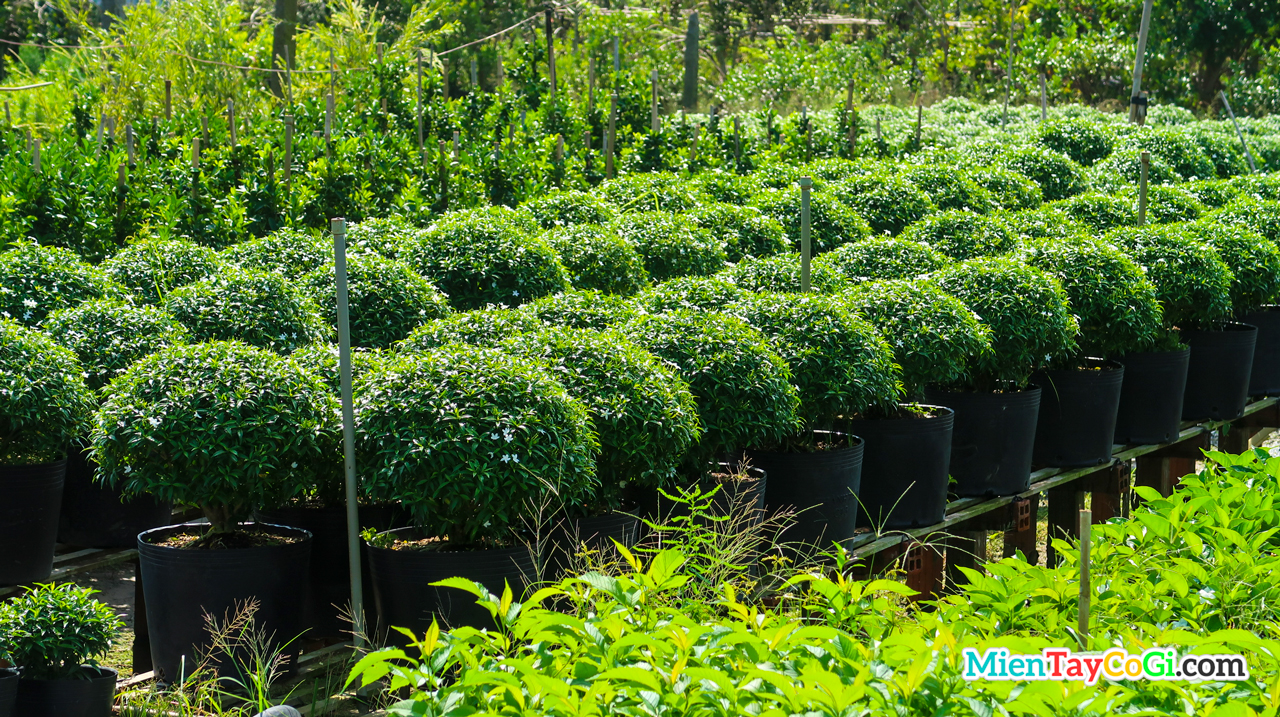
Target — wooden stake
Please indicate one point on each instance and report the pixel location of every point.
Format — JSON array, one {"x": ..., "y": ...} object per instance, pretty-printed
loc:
[
  {"x": 204, "y": 130},
  {"x": 1044, "y": 98},
  {"x": 35, "y": 155},
  {"x": 806, "y": 250},
  {"x": 168, "y": 99},
  {"x": 128, "y": 144},
  {"x": 121, "y": 176},
  {"x": 653, "y": 102},
  {"x": 879, "y": 134},
  {"x": 1144, "y": 160},
  {"x": 551, "y": 51},
  {"x": 380, "y": 48},
  {"x": 853, "y": 121},
  {"x": 559, "y": 155},
  {"x": 231, "y": 121},
  {"x": 611, "y": 137},
  {"x": 737, "y": 142},
  {"x": 444, "y": 71},
  {"x": 8, "y": 118},
  {"x": 617, "y": 63},
  {"x": 457, "y": 145},
  {"x": 1082, "y": 625},
  {"x": 1137, "y": 105},
  {"x": 1253, "y": 168},
  {"x": 591, "y": 85},
  {"x": 288, "y": 76},
  {"x": 328, "y": 125},
  {"x": 195, "y": 154},
  {"x": 288, "y": 153},
  {"x": 333, "y": 74},
  {"x": 422, "y": 157}
]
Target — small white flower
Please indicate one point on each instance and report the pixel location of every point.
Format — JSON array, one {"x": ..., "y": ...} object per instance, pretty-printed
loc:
[
  {"x": 128, "y": 470},
  {"x": 294, "y": 464},
  {"x": 153, "y": 421},
  {"x": 29, "y": 303}
]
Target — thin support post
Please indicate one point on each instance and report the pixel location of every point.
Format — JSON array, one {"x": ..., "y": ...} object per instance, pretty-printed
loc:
[
  {"x": 288, "y": 154},
  {"x": 1082, "y": 625},
  {"x": 591, "y": 85},
  {"x": 806, "y": 250},
  {"x": 690, "y": 95},
  {"x": 654, "y": 126},
  {"x": 421, "y": 155},
  {"x": 1137, "y": 103},
  {"x": 853, "y": 121},
  {"x": 1144, "y": 160},
  {"x": 231, "y": 120},
  {"x": 128, "y": 145},
  {"x": 1044, "y": 98},
  {"x": 339, "y": 228},
  {"x": 35, "y": 155},
  {"x": 611, "y": 137},
  {"x": 617, "y": 62},
  {"x": 1253, "y": 168},
  {"x": 551, "y": 50},
  {"x": 168, "y": 99},
  {"x": 457, "y": 145},
  {"x": 737, "y": 143}
]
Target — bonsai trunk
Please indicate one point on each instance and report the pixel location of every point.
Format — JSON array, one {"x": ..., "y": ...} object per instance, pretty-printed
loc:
[{"x": 222, "y": 518}]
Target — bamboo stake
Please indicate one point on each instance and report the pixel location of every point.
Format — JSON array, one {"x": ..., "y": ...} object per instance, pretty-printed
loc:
[
  {"x": 591, "y": 85},
  {"x": 128, "y": 144},
  {"x": 1253, "y": 168},
  {"x": 611, "y": 137},
  {"x": 1044, "y": 98},
  {"x": 853, "y": 122},
  {"x": 422, "y": 157},
  {"x": 168, "y": 99},
  {"x": 653, "y": 102},
  {"x": 97, "y": 150},
  {"x": 35, "y": 155},
  {"x": 737, "y": 142},
  {"x": 457, "y": 145},
  {"x": 806, "y": 250},
  {"x": 551, "y": 51},
  {"x": 231, "y": 121},
  {"x": 1082, "y": 626},
  {"x": 1137, "y": 104},
  {"x": 288, "y": 154},
  {"x": 1144, "y": 160}
]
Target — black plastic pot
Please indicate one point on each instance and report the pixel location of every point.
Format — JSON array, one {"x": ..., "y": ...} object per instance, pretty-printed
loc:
[
  {"x": 328, "y": 601},
  {"x": 821, "y": 486},
  {"x": 405, "y": 597},
  {"x": 182, "y": 586},
  {"x": 904, "y": 468},
  {"x": 1077, "y": 420},
  {"x": 1218, "y": 372},
  {"x": 992, "y": 440},
  {"x": 8, "y": 690},
  {"x": 29, "y": 499},
  {"x": 1151, "y": 396},
  {"x": 1264, "y": 378},
  {"x": 90, "y": 695},
  {"x": 741, "y": 489},
  {"x": 593, "y": 533},
  {"x": 98, "y": 516}
]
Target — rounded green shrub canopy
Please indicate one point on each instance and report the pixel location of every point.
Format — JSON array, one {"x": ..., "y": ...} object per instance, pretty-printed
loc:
[
  {"x": 831, "y": 222},
  {"x": 322, "y": 359},
  {"x": 1253, "y": 260},
  {"x": 888, "y": 202},
  {"x": 1176, "y": 148},
  {"x": 44, "y": 402},
  {"x": 36, "y": 281},
  {"x": 1100, "y": 212},
  {"x": 567, "y": 207},
  {"x": 882, "y": 258},
  {"x": 949, "y": 187},
  {"x": 385, "y": 298},
  {"x": 261, "y": 309},
  {"x": 598, "y": 258},
  {"x": 649, "y": 192},
  {"x": 50, "y": 631},
  {"x": 745, "y": 231},
  {"x": 1262, "y": 216},
  {"x": 840, "y": 364},
  {"x": 1212, "y": 193},
  {"x": 287, "y": 252},
  {"x": 1026, "y": 310},
  {"x": 719, "y": 185},
  {"x": 644, "y": 415},
  {"x": 671, "y": 245},
  {"x": 1114, "y": 302},
  {"x": 706, "y": 293},
  {"x": 782, "y": 273},
  {"x": 1124, "y": 169},
  {"x": 742, "y": 387},
  {"x": 387, "y": 236},
  {"x": 1045, "y": 222},
  {"x": 1009, "y": 190},
  {"x": 482, "y": 327},
  {"x": 153, "y": 267},
  {"x": 487, "y": 256},
  {"x": 934, "y": 336},
  {"x": 471, "y": 440},
  {"x": 962, "y": 235},
  {"x": 1191, "y": 280},
  {"x": 1167, "y": 205},
  {"x": 582, "y": 310},
  {"x": 109, "y": 335},
  {"x": 1057, "y": 175},
  {"x": 1083, "y": 141},
  {"x": 222, "y": 425}
]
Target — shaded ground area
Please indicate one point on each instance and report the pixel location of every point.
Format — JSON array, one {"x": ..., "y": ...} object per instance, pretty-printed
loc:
[{"x": 115, "y": 586}]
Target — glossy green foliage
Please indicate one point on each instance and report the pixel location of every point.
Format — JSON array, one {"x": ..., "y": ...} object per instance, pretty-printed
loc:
[
  {"x": 745, "y": 230},
  {"x": 385, "y": 299},
  {"x": 840, "y": 364},
  {"x": 109, "y": 335},
  {"x": 387, "y": 236},
  {"x": 1116, "y": 305},
  {"x": 831, "y": 222},
  {"x": 37, "y": 280},
  {"x": 881, "y": 258},
  {"x": 1026, "y": 309},
  {"x": 598, "y": 258},
  {"x": 222, "y": 425},
  {"x": 1100, "y": 212},
  {"x": 782, "y": 273},
  {"x": 471, "y": 440},
  {"x": 581, "y": 309},
  {"x": 1260, "y": 215},
  {"x": 718, "y": 185},
  {"x": 934, "y": 336},
  {"x": 1191, "y": 280},
  {"x": 321, "y": 358},
  {"x": 1212, "y": 193},
  {"x": 704, "y": 293},
  {"x": 1168, "y": 204},
  {"x": 50, "y": 631},
  {"x": 44, "y": 402},
  {"x": 487, "y": 256},
  {"x": 888, "y": 202},
  {"x": 1177, "y": 149},
  {"x": 481, "y": 327},
  {"x": 152, "y": 267},
  {"x": 1083, "y": 141},
  {"x": 1045, "y": 222},
  {"x": 671, "y": 245},
  {"x": 567, "y": 208},
  {"x": 643, "y": 413},
  {"x": 1223, "y": 151},
  {"x": 1009, "y": 190},
  {"x": 261, "y": 309},
  {"x": 961, "y": 235},
  {"x": 950, "y": 187},
  {"x": 288, "y": 252},
  {"x": 743, "y": 388},
  {"x": 1253, "y": 260},
  {"x": 649, "y": 192},
  {"x": 1057, "y": 175},
  {"x": 1124, "y": 168}
]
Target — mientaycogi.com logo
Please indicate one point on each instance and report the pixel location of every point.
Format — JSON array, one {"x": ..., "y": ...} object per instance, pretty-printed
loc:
[{"x": 1060, "y": 663}]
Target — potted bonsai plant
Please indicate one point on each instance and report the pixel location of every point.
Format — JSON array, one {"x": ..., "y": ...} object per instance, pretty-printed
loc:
[
  {"x": 962, "y": 235},
  {"x": 44, "y": 405},
  {"x": 54, "y": 635},
  {"x": 996, "y": 406},
  {"x": 473, "y": 443},
  {"x": 842, "y": 368},
  {"x": 386, "y": 299},
  {"x": 598, "y": 258},
  {"x": 152, "y": 267},
  {"x": 108, "y": 336},
  {"x": 258, "y": 308},
  {"x": 582, "y": 309},
  {"x": 1118, "y": 313},
  {"x": 934, "y": 336},
  {"x": 37, "y": 280},
  {"x": 882, "y": 258},
  {"x": 1194, "y": 288},
  {"x": 226, "y": 427}
]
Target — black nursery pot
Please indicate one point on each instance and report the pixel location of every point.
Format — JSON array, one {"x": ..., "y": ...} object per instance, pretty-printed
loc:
[
  {"x": 594, "y": 533},
  {"x": 8, "y": 690},
  {"x": 405, "y": 597},
  {"x": 1151, "y": 396},
  {"x": 328, "y": 599},
  {"x": 29, "y": 499},
  {"x": 1264, "y": 379},
  {"x": 182, "y": 586},
  {"x": 1077, "y": 420},
  {"x": 821, "y": 486},
  {"x": 88, "y": 695},
  {"x": 98, "y": 516},
  {"x": 741, "y": 490},
  {"x": 1218, "y": 372},
  {"x": 904, "y": 468},
  {"x": 992, "y": 440}
]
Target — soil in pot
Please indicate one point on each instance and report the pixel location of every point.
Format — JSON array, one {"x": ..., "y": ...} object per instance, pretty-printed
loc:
[
  {"x": 406, "y": 564},
  {"x": 8, "y": 690},
  {"x": 1218, "y": 372},
  {"x": 1077, "y": 419},
  {"x": 742, "y": 489},
  {"x": 98, "y": 516},
  {"x": 904, "y": 467},
  {"x": 992, "y": 440},
  {"x": 269, "y": 564},
  {"x": 1151, "y": 396},
  {"x": 1264, "y": 377},
  {"x": 90, "y": 694},
  {"x": 29, "y": 499},
  {"x": 819, "y": 486}
]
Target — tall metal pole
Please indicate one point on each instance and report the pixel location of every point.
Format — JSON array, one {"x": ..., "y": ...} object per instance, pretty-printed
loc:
[
  {"x": 1253, "y": 168},
  {"x": 339, "y": 227},
  {"x": 1137, "y": 113}
]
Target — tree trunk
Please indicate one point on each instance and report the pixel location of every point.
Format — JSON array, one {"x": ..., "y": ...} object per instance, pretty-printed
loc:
[
  {"x": 1209, "y": 76},
  {"x": 286, "y": 15}
]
